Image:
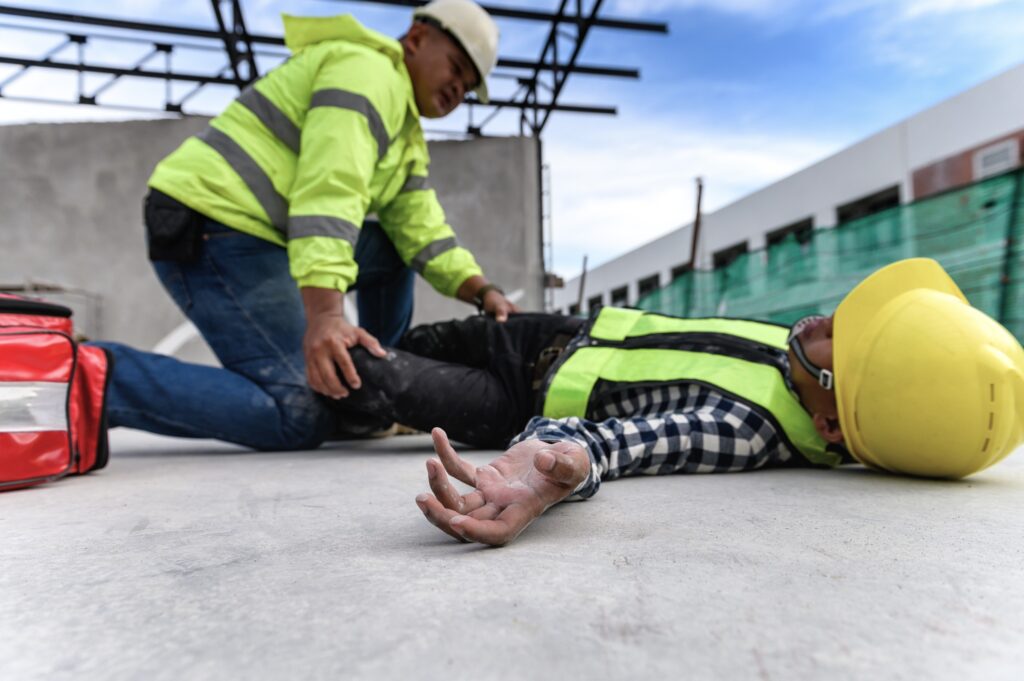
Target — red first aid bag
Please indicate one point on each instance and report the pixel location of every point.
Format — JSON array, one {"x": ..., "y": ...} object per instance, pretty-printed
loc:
[{"x": 52, "y": 390}]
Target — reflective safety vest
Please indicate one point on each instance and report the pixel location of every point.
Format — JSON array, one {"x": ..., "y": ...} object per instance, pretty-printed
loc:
[
  {"x": 308, "y": 150},
  {"x": 744, "y": 360}
]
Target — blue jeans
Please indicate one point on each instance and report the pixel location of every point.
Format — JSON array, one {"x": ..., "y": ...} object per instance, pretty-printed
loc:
[{"x": 241, "y": 297}]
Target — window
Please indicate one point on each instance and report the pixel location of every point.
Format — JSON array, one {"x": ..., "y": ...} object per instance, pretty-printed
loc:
[
  {"x": 648, "y": 285},
  {"x": 726, "y": 256},
  {"x": 595, "y": 302},
  {"x": 996, "y": 158},
  {"x": 802, "y": 230},
  {"x": 868, "y": 205},
  {"x": 680, "y": 270},
  {"x": 574, "y": 310},
  {"x": 620, "y": 296}
]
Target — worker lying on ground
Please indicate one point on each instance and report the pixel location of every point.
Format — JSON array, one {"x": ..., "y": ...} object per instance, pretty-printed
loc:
[{"x": 906, "y": 377}]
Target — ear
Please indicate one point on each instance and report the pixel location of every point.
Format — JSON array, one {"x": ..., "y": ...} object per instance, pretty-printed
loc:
[
  {"x": 415, "y": 38},
  {"x": 828, "y": 427}
]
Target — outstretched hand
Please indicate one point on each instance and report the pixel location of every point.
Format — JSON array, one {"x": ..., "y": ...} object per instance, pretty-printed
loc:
[{"x": 509, "y": 493}]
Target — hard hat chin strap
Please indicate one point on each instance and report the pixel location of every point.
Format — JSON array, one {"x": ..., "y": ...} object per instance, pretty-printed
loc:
[{"x": 825, "y": 377}]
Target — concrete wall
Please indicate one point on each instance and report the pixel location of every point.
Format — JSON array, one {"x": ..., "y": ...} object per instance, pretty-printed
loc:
[
  {"x": 489, "y": 190},
  {"x": 987, "y": 111},
  {"x": 70, "y": 214}
]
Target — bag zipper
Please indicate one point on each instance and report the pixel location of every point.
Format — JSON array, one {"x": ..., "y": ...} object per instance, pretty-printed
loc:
[{"x": 29, "y": 306}]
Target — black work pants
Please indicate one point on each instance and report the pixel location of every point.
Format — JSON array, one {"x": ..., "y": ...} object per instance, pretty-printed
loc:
[{"x": 471, "y": 377}]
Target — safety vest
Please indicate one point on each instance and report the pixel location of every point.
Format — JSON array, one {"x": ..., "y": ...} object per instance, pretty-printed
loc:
[
  {"x": 744, "y": 360},
  {"x": 308, "y": 150}
]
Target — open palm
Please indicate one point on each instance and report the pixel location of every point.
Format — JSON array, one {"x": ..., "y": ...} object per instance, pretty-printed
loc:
[{"x": 509, "y": 493}]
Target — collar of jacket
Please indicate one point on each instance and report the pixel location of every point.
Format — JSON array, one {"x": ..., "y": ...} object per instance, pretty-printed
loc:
[{"x": 302, "y": 31}]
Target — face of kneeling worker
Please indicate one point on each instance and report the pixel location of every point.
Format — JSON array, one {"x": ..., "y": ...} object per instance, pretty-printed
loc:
[
  {"x": 441, "y": 71},
  {"x": 816, "y": 340}
]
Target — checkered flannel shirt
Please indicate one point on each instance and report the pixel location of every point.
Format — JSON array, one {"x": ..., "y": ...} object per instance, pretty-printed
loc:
[{"x": 685, "y": 428}]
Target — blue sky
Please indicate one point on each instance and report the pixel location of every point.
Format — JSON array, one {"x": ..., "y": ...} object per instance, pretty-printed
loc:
[{"x": 741, "y": 92}]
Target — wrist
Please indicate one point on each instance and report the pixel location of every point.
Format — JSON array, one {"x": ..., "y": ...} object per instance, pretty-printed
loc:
[
  {"x": 322, "y": 302},
  {"x": 481, "y": 295}
]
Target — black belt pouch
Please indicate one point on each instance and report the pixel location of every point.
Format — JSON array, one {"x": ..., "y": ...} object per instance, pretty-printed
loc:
[{"x": 174, "y": 232}]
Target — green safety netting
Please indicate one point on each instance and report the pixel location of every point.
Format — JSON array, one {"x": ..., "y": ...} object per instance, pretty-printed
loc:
[{"x": 975, "y": 232}]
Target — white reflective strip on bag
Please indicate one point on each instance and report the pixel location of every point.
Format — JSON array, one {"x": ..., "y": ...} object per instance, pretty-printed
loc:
[{"x": 33, "y": 407}]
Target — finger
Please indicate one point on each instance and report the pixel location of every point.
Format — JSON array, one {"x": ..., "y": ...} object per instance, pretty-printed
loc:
[
  {"x": 514, "y": 308},
  {"x": 485, "y": 512},
  {"x": 497, "y": 532},
  {"x": 489, "y": 475},
  {"x": 472, "y": 501},
  {"x": 438, "y": 515},
  {"x": 441, "y": 486},
  {"x": 370, "y": 342},
  {"x": 501, "y": 313},
  {"x": 463, "y": 471},
  {"x": 348, "y": 369},
  {"x": 559, "y": 467},
  {"x": 324, "y": 367}
]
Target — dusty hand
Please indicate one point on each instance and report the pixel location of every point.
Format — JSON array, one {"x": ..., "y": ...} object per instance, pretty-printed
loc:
[
  {"x": 328, "y": 338},
  {"x": 498, "y": 306},
  {"x": 509, "y": 493}
]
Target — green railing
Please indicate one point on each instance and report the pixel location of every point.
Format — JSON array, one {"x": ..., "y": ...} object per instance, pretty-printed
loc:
[{"x": 976, "y": 232}]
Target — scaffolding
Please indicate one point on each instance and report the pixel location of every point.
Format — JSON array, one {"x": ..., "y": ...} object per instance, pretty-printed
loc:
[
  {"x": 539, "y": 83},
  {"x": 976, "y": 232}
]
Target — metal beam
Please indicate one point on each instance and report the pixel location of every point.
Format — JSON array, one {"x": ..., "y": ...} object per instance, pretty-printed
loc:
[
  {"x": 113, "y": 71},
  {"x": 237, "y": 43},
  {"x": 229, "y": 43},
  {"x": 546, "y": 17},
  {"x": 610, "y": 71},
  {"x": 192, "y": 32},
  {"x": 243, "y": 35},
  {"x": 221, "y": 80},
  {"x": 572, "y": 108},
  {"x": 582, "y": 30},
  {"x": 150, "y": 27}
]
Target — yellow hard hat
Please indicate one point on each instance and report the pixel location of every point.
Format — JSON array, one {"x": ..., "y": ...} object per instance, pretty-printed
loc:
[{"x": 925, "y": 384}]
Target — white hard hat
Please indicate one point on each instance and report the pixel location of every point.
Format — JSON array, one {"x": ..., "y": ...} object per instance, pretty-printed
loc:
[{"x": 472, "y": 28}]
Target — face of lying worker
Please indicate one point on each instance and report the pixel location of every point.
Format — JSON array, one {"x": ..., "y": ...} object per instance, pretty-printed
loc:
[
  {"x": 441, "y": 72},
  {"x": 816, "y": 340}
]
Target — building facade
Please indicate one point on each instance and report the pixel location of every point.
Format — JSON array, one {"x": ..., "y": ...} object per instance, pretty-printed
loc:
[{"x": 973, "y": 135}]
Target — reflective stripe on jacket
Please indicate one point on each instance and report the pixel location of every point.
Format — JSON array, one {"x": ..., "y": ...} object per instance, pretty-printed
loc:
[
  {"x": 306, "y": 152},
  {"x": 744, "y": 360}
]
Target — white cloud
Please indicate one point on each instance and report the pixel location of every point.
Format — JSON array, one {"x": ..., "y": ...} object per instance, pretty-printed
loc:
[
  {"x": 799, "y": 11},
  {"x": 984, "y": 38},
  {"x": 756, "y": 8},
  {"x": 916, "y": 8},
  {"x": 615, "y": 192},
  {"x": 887, "y": 11}
]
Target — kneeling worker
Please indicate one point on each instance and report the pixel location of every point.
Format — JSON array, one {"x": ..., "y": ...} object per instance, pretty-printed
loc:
[
  {"x": 255, "y": 227},
  {"x": 905, "y": 377}
]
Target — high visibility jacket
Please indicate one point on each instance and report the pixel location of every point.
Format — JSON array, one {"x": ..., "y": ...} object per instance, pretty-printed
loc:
[
  {"x": 307, "y": 151},
  {"x": 744, "y": 360}
]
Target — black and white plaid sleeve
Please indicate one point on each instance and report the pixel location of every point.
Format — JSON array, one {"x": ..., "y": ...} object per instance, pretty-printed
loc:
[{"x": 656, "y": 432}]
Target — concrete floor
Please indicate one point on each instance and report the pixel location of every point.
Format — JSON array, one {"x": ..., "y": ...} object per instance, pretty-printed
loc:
[{"x": 194, "y": 560}]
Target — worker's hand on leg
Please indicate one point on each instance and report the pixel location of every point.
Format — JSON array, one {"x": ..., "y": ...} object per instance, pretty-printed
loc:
[
  {"x": 509, "y": 493},
  {"x": 498, "y": 306},
  {"x": 326, "y": 344}
]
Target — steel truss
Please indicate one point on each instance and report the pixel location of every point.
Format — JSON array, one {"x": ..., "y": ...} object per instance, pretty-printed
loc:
[{"x": 540, "y": 82}]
